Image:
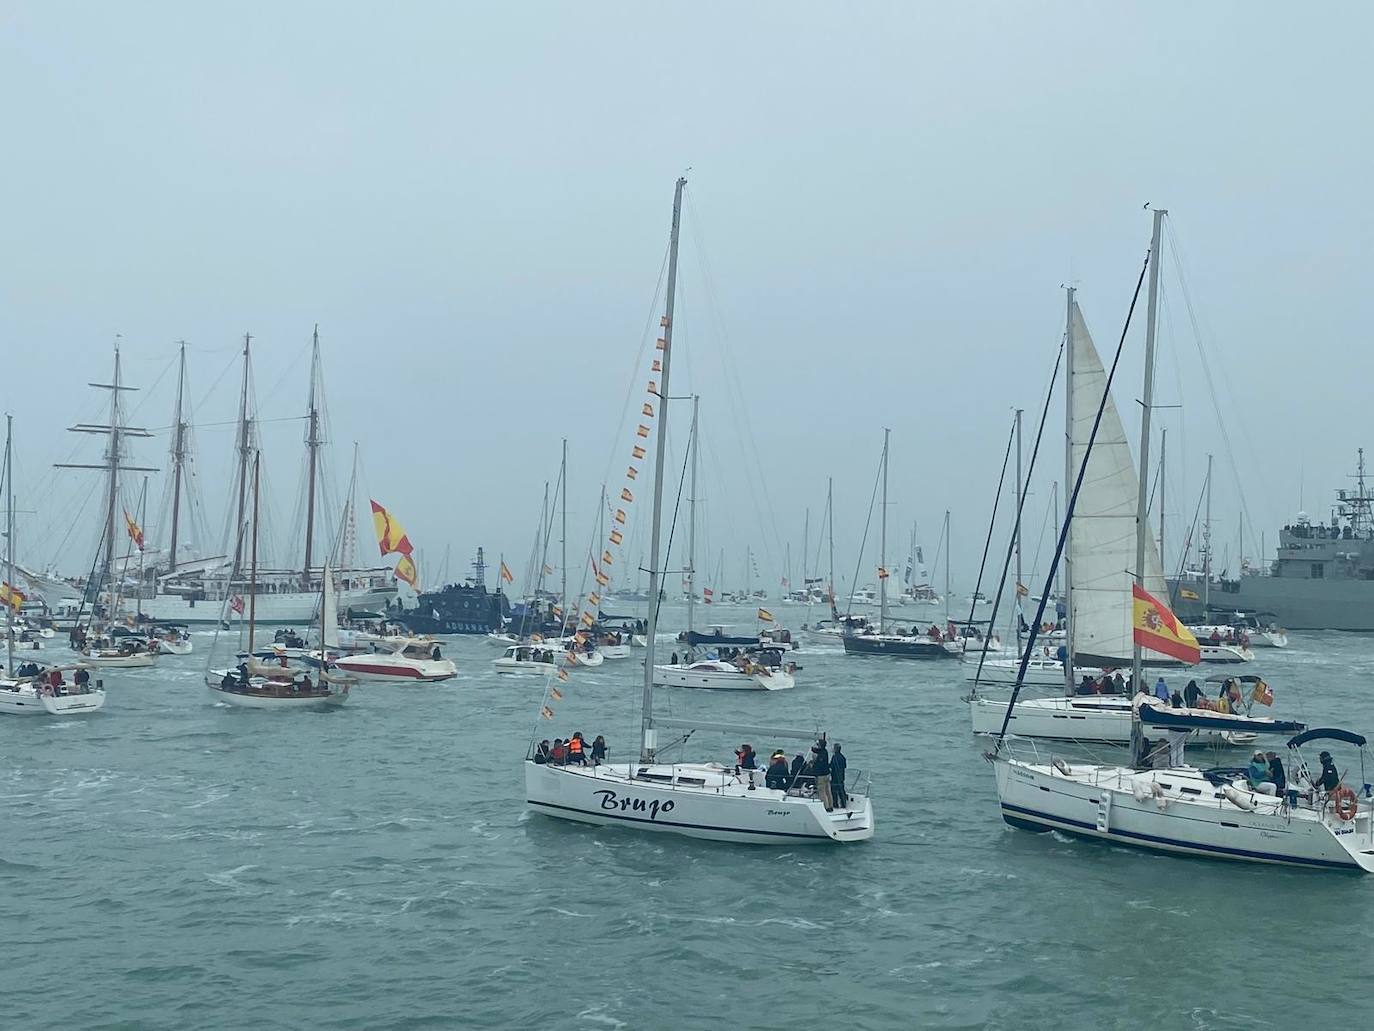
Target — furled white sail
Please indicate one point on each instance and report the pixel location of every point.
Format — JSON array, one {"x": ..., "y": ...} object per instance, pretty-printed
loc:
[
  {"x": 329, "y": 611},
  {"x": 1102, "y": 539}
]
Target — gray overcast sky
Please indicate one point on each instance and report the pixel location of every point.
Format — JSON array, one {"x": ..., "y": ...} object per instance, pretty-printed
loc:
[{"x": 473, "y": 201}]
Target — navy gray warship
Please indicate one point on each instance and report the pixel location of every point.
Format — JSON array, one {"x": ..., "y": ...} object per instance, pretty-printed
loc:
[{"x": 1321, "y": 579}]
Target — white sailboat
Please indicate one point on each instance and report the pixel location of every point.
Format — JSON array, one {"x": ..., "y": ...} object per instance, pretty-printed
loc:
[
  {"x": 256, "y": 686},
  {"x": 694, "y": 799},
  {"x": 33, "y": 690},
  {"x": 1317, "y": 823}
]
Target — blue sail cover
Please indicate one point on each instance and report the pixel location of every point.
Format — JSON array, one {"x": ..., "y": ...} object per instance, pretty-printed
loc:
[
  {"x": 1191, "y": 719},
  {"x": 1330, "y": 734}
]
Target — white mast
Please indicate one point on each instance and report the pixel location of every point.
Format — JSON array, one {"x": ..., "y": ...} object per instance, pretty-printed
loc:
[
  {"x": 1070, "y": 477},
  {"x": 882, "y": 545},
  {"x": 1207, "y": 544},
  {"x": 692, "y": 523},
  {"x": 9, "y": 545},
  {"x": 1017, "y": 534},
  {"x": 563, "y": 476},
  {"x": 947, "y": 553},
  {"x": 648, "y": 737},
  {"x": 1142, "y": 530}
]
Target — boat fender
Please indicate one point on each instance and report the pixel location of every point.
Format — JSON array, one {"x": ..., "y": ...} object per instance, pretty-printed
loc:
[
  {"x": 1238, "y": 799},
  {"x": 1161, "y": 799},
  {"x": 1061, "y": 766},
  {"x": 1346, "y": 803},
  {"x": 1140, "y": 789}
]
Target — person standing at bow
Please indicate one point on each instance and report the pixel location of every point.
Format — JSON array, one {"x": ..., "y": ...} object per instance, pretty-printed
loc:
[
  {"x": 820, "y": 767},
  {"x": 838, "y": 763}
]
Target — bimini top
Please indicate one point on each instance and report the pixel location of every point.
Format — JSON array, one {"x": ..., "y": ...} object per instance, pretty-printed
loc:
[
  {"x": 1221, "y": 678},
  {"x": 1197, "y": 719},
  {"x": 1329, "y": 733}
]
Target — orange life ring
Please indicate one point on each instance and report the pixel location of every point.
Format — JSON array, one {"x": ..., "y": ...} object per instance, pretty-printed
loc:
[{"x": 1346, "y": 803}]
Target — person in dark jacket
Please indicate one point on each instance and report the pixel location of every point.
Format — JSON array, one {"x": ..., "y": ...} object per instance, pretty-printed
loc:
[
  {"x": 1191, "y": 694},
  {"x": 778, "y": 776},
  {"x": 541, "y": 754},
  {"x": 820, "y": 766},
  {"x": 838, "y": 763},
  {"x": 1276, "y": 772},
  {"x": 598, "y": 750},
  {"x": 798, "y": 772},
  {"x": 1329, "y": 779},
  {"x": 745, "y": 758}
]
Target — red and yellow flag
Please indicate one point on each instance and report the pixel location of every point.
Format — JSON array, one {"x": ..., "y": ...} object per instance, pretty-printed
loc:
[
  {"x": 135, "y": 531},
  {"x": 390, "y": 536},
  {"x": 765, "y": 616},
  {"x": 11, "y": 596},
  {"x": 506, "y": 574},
  {"x": 1159, "y": 630},
  {"x": 406, "y": 571}
]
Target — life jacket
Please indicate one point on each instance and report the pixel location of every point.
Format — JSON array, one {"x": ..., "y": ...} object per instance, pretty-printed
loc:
[{"x": 575, "y": 746}]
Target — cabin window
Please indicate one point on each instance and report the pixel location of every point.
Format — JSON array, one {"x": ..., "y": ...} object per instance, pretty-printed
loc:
[{"x": 1318, "y": 571}]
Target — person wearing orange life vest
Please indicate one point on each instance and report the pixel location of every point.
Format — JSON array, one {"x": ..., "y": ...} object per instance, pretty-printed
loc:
[{"x": 577, "y": 754}]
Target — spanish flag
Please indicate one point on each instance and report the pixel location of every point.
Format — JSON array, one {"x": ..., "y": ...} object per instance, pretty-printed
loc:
[
  {"x": 506, "y": 574},
  {"x": 555, "y": 694},
  {"x": 1262, "y": 693},
  {"x": 406, "y": 571},
  {"x": 607, "y": 559},
  {"x": 620, "y": 513},
  {"x": 563, "y": 674},
  {"x": 1188, "y": 595},
  {"x": 631, "y": 472},
  {"x": 594, "y": 598},
  {"x": 11, "y": 596},
  {"x": 882, "y": 573},
  {"x": 663, "y": 320},
  {"x": 648, "y": 409},
  {"x": 135, "y": 531},
  {"x": 617, "y": 536},
  {"x": 643, "y": 430},
  {"x": 390, "y": 536},
  {"x": 658, "y": 366},
  {"x": 638, "y": 451},
  {"x": 1159, "y": 630},
  {"x": 625, "y": 495},
  {"x": 588, "y": 619},
  {"x": 546, "y": 712},
  {"x": 661, "y": 344},
  {"x": 1022, "y": 590},
  {"x": 765, "y": 616}
]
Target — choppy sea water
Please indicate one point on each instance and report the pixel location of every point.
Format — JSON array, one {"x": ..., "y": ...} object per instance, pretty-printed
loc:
[{"x": 171, "y": 863}]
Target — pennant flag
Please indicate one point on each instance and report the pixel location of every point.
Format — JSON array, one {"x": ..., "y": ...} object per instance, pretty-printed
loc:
[
  {"x": 563, "y": 675},
  {"x": 648, "y": 409},
  {"x": 1022, "y": 590},
  {"x": 11, "y": 596},
  {"x": 653, "y": 389},
  {"x": 580, "y": 637},
  {"x": 607, "y": 559},
  {"x": 620, "y": 516},
  {"x": 506, "y": 574},
  {"x": 536, "y": 638},
  {"x": 587, "y": 619},
  {"x": 1188, "y": 595},
  {"x": 643, "y": 430},
  {"x": 706, "y": 595},
  {"x": 1158, "y": 629},
  {"x": 594, "y": 598},
  {"x": 632, "y": 472},
  {"x": 546, "y": 712},
  {"x": 408, "y": 573},
  {"x": 616, "y": 536},
  {"x": 135, "y": 531},
  {"x": 765, "y": 616},
  {"x": 882, "y": 573},
  {"x": 638, "y": 452},
  {"x": 1262, "y": 693},
  {"x": 602, "y": 579},
  {"x": 548, "y": 569},
  {"x": 558, "y": 611},
  {"x": 658, "y": 366},
  {"x": 625, "y": 495},
  {"x": 390, "y": 536},
  {"x": 570, "y": 658},
  {"x": 236, "y": 604},
  {"x": 555, "y": 694},
  {"x": 663, "y": 320}
]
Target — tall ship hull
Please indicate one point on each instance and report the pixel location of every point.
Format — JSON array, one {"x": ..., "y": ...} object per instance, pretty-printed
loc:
[{"x": 294, "y": 608}]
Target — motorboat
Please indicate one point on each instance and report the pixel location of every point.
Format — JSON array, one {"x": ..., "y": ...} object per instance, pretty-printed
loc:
[
  {"x": 533, "y": 659},
  {"x": 416, "y": 660}
]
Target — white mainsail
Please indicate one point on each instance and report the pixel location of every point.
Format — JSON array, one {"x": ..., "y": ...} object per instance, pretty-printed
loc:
[
  {"x": 329, "y": 611},
  {"x": 1102, "y": 540}
]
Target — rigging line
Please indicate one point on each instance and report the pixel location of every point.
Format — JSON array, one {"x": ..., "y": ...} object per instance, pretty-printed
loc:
[
  {"x": 739, "y": 408},
  {"x": 1211, "y": 385},
  {"x": 1016, "y": 527},
  {"x": 992, "y": 523},
  {"x": 1187, "y": 547},
  {"x": 232, "y": 363},
  {"x": 863, "y": 543},
  {"x": 1072, "y": 501}
]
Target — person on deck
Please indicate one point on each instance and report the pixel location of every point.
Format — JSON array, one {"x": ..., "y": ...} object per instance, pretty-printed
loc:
[
  {"x": 1191, "y": 694},
  {"x": 577, "y": 755},
  {"x": 1087, "y": 686},
  {"x": 820, "y": 766},
  {"x": 598, "y": 750},
  {"x": 1161, "y": 690},
  {"x": 1329, "y": 779},
  {"x": 777, "y": 776},
  {"x": 798, "y": 771},
  {"x": 559, "y": 754},
  {"x": 745, "y": 758},
  {"x": 542, "y": 754},
  {"x": 838, "y": 764},
  {"x": 1276, "y": 772},
  {"x": 1257, "y": 775}
]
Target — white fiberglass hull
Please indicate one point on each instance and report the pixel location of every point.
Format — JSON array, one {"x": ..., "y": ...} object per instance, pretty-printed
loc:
[
  {"x": 174, "y": 647},
  {"x": 253, "y": 700},
  {"x": 26, "y": 701},
  {"x": 613, "y": 651},
  {"x": 717, "y": 805},
  {"x": 1105, "y": 719},
  {"x": 1225, "y": 654},
  {"x": 1178, "y": 811},
  {"x": 721, "y": 676},
  {"x": 396, "y": 668},
  {"x": 1045, "y": 672},
  {"x": 295, "y": 608},
  {"x": 522, "y": 666},
  {"x": 1269, "y": 639}
]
